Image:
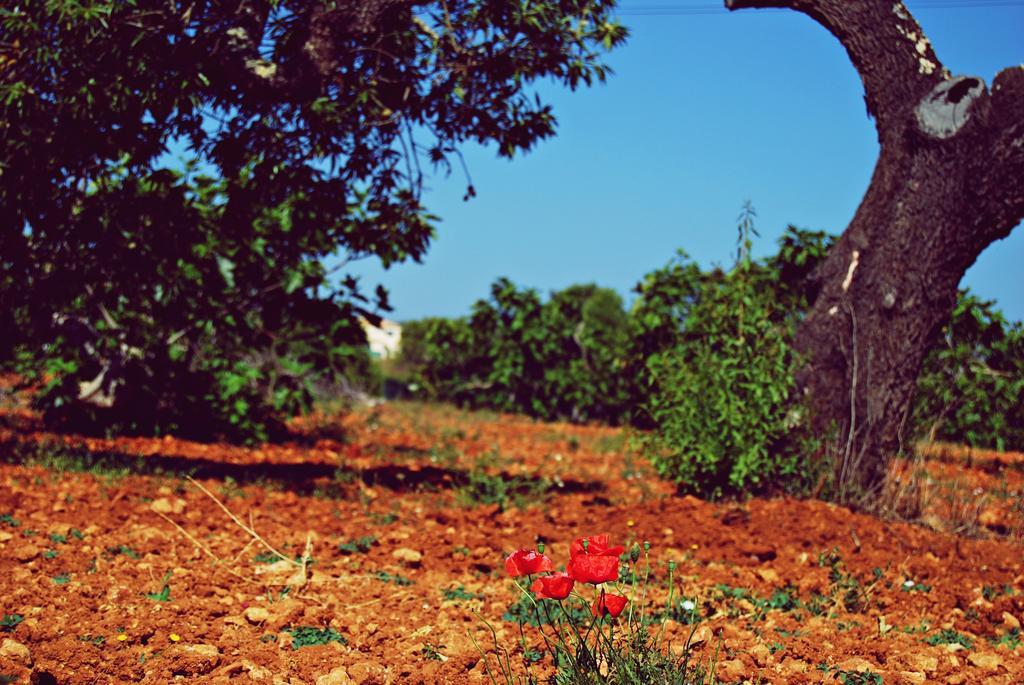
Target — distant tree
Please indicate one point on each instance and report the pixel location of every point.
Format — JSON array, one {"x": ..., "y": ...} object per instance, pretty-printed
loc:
[
  {"x": 949, "y": 182},
  {"x": 194, "y": 295}
]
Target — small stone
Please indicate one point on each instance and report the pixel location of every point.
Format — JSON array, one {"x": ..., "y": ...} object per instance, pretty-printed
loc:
[
  {"x": 166, "y": 505},
  {"x": 366, "y": 672},
  {"x": 1010, "y": 621},
  {"x": 5, "y": 536},
  {"x": 25, "y": 553},
  {"x": 922, "y": 662},
  {"x": 338, "y": 676},
  {"x": 409, "y": 557},
  {"x": 956, "y": 679},
  {"x": 732, "y": 669},
  {"x": 14, "y": 650},
  {"x": 761, "y": 654},
  {"x": 256, "y": 615},
  {"x": 856, "y": 664},
  {"x": 372, "y": 628},
  {"x": 701, "y": 635},
  {"x": 985, "y": 660},
  {"x": 193, "y": 660},
  {"x": 912, "y": 678}
]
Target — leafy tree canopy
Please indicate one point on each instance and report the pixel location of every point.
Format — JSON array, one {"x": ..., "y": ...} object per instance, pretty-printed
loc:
[{"x": 174, "y": 176}]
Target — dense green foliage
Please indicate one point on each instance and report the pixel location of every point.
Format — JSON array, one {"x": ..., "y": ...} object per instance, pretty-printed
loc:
[
  {"x": 175, "y": 177},
  {"x": 719, "y": 398},
  {"x": 971, "y": 389},
  {"x": 560, "y": 359},
  {"x": 703, "y": 359}
]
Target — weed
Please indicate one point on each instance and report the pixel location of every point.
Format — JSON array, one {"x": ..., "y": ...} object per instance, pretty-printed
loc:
[
  {"x": 10, "y": 621},
  {"x": 308, "y": 636},
  {"x": 458, "y": 593},
  {"x": 360, "y": 545},
  {"x": 432, "y": 652},
  {"x": 163, "y": 596},
  {"x": 483, "y": 488},
  {"x": 948, "y": 636},
  {"x": 545, "y": 612},
  {"x": 991, "y": 592},
  {"x": 230, "y": 489},
  {"x": 464, "y": 551},
  {"x": 50, "y": 554},
  {"x": 97, "y": 640},
  {"x": 268, "y": 638},
  {"x": 1012, "y": 639},
  {"x": 114, "y": 550},
  {"x": 851, "y": 677},
  {"x": 58, "y": 539},
  {"x": 9, "y": 520},
  {"x": 385, "y": 577},
  {"x": 383, "y": 519},
  {"x": 62, "y": 579}
]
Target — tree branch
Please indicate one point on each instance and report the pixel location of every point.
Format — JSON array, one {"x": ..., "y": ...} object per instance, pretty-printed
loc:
[
  {"x": 886, "y": 45},
  {"x": 1006, "y": 162}
]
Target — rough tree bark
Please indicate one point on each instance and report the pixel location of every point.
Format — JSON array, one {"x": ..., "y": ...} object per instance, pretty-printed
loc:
[{"x": 949, "y": 181}]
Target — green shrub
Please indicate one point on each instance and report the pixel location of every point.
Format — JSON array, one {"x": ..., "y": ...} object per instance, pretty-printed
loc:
[{"x": 721, "y": 397}]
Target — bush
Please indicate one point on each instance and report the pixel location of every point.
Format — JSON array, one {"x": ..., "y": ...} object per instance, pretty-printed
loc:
[
  {"x": 721, "y": 397},
  {"x": 971, "y": 389}
]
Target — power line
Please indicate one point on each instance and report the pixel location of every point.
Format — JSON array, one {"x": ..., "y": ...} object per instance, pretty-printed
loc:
[{"x": 703, "y": 8}]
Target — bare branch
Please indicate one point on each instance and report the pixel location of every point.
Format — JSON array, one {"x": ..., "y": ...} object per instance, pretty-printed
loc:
[{"x": 895, "y": 60}]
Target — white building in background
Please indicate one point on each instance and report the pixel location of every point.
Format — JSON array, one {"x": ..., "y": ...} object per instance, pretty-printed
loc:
[{"x": 385, "y": 340}]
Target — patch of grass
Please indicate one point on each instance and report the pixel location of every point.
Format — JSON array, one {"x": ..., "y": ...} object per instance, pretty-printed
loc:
[
  {"x": 9, "y": 520},
  {"x": 851, "y": 677},
  {"x": 483, "y": 488},
  {"x": 97, "y": 640},
  {"x": 548, "y": 612},
  {"x": 10, "y": 621},
  {"x": 458, "y": 593},
  {"x": 912, "y": 586},
  {"x": 360, "y": 545},
  {"x": 385, "y": 577},
  {"x": 62, "y": 579},
  {"x": 308, "y": 636},
  {"x": 58, "y": 539},
  {"x": 114, "y": 550},
  {"x": 1012, "y": 639},
  {"x": 948, "y": 636},
  {"x": 50, "y": 554},
  {"x": 991, "y": 592},
  {"x": 432, "y": 652},
  {"x": 383, "y": 519},
  {"x": 163, "y": 596}
]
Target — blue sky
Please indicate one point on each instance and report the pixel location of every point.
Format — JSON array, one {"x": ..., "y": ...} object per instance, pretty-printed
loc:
[{"x": 703, "y": 113}]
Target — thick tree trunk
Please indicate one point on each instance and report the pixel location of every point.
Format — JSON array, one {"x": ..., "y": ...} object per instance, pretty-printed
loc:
[{"x": 949, "y": 181}]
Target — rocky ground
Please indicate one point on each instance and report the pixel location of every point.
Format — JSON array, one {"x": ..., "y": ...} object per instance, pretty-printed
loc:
[{"x": 370, "y": 550}]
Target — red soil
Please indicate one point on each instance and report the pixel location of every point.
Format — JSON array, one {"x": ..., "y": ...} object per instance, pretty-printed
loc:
[{"x": 85, "y": 557}]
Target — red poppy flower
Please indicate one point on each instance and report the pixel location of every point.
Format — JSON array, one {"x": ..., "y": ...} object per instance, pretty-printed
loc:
[
  {"x": 596, "y": 546},
  {"x": 556, "y": 586},
  {"x": 590, "y": 569},
  {"x": 608, "y": 605},
  {"x": 526, "y": 562}
]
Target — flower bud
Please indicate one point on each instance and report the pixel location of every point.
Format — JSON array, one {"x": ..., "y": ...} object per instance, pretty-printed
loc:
[
  {"x": 647, "y": 546},
  {"x": 540, "y": 548},
  {"x": 634, "y": 553}
]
